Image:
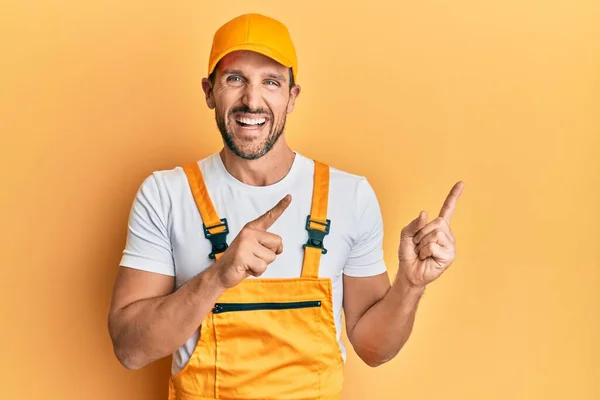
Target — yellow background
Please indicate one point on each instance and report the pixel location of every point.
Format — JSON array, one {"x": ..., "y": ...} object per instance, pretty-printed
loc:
[{"x": 504, "y": 95}]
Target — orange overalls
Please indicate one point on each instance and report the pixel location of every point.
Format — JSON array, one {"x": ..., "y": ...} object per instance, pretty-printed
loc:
[{"x": 266, "y": 339}]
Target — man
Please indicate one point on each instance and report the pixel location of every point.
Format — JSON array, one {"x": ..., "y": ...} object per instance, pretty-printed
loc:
[{"x": 239, "y": 265}]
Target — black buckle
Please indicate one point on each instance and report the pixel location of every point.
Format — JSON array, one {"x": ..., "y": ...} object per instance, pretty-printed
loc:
[
  {"x": 218, "y": 240},
  {"x": 316, "y": 237}
]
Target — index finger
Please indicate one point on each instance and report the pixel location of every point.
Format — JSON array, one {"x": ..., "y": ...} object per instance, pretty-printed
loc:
[
  {"x": 450, "y": 203},
  {"x": 265, "y": 221}
]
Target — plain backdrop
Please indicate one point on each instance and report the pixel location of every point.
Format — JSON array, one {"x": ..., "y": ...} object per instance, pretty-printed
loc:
[{"x": 504, "y": 95}]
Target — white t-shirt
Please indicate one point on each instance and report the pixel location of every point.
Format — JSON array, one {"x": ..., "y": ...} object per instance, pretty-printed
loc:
[{"x": 165, "y": 233}]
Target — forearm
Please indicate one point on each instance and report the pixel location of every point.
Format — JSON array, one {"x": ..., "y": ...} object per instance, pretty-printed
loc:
[
  {"x": 150, "y": 329},
  {"x": 382, "y": 331}
]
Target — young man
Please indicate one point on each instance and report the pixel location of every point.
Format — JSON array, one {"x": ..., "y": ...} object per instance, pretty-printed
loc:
[{"x": 239, "y": 264}]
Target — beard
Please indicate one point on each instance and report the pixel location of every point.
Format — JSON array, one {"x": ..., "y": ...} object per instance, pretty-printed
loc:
[{"x": 252, "y": 151}]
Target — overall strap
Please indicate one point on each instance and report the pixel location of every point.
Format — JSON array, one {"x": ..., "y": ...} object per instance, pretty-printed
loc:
[
  {"x": 317, "y": 223},
  {"x": 215, "y": 229}
]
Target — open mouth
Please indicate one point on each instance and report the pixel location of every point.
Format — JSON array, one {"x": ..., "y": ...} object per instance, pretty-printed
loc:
[{"x": 250, "y": 122}]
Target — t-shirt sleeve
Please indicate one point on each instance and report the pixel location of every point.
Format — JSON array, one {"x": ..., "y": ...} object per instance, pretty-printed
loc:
[
  {"x": 148, "y": 245},
  {"x": 366, "y": 255}
]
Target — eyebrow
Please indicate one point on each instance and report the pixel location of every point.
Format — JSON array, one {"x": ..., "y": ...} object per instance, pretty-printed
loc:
[
  {"x": 232, "y": 72},
  {"x": 270, "y": 75},
  {"x": 276, "y": 76}
]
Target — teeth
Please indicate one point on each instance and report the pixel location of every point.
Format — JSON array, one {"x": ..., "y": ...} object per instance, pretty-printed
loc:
[{"x": 252, "y": 121}]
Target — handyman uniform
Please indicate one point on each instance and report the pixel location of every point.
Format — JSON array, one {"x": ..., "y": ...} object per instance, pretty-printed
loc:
[
  {"x": 277, "y": 336},
  {"x": 266, "y": 338}
]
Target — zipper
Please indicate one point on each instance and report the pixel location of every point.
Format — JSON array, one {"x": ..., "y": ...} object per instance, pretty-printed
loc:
[{"x": 227, "y": 307}]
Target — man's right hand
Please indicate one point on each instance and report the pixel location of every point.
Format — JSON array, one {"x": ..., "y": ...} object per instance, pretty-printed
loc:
[
  {"x": 150, "y": 320},
  {"x": 252, "y": 250}
]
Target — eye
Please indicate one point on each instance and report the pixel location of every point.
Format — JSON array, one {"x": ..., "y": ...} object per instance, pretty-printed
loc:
[
  {"x": 272, "y": 82},
  {"x": 234, "y": 78}
]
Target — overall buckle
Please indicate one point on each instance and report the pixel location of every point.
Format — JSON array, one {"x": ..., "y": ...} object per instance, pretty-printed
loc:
[
  {"x": 218, "y": 240},
  {"x": 315, "y": 236}
]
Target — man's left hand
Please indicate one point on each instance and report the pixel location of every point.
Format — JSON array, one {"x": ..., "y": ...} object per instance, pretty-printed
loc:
[{"x": 427, "y": 249}]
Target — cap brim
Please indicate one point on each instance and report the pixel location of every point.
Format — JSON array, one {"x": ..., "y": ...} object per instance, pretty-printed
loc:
[{"x": 265, "y": 51}]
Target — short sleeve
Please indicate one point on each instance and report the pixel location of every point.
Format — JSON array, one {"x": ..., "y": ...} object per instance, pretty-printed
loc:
[
  {"x": 148, "y": 245},
  {"x": 366, "y": 255}
]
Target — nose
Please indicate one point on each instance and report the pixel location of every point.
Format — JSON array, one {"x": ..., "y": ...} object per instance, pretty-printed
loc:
[{"x": 252, "y": 97}]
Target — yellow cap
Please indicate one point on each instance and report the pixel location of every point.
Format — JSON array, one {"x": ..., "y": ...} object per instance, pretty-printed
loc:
[{"x": 258, "y": 33}]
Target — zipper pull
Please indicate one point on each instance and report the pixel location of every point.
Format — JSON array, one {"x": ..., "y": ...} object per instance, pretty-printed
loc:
[{"x": 217, "y": 309}]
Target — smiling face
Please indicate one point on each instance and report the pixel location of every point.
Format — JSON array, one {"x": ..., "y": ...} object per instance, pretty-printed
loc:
[{"x": 251, "y": 95}]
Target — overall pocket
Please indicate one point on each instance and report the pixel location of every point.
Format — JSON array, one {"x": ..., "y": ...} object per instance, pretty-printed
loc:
[
  {"x": 229, "y": 307},
  {"x": 268, "y": 349}
]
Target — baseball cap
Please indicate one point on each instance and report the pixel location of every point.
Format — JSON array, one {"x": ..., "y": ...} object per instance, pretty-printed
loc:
[{"x": 258, "y": 33}]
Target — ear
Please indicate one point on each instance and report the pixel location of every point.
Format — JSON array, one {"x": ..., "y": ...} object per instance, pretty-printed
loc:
[
  {"x": 294, "y": 93},
  {"x": 208, "y": 93}
]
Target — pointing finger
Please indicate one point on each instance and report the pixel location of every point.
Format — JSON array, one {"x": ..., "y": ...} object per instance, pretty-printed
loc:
[
  {"x": 265, "y": 221},
  {"x": 450, "y": 203}
]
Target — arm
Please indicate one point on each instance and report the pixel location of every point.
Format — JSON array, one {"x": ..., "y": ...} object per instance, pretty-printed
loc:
[
  {"x": 379, "y": 317},
  {"x": 148, "y": 320}
]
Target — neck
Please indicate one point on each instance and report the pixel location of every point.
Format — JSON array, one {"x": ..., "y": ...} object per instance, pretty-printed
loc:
[{"x": 267, "y": 170}]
